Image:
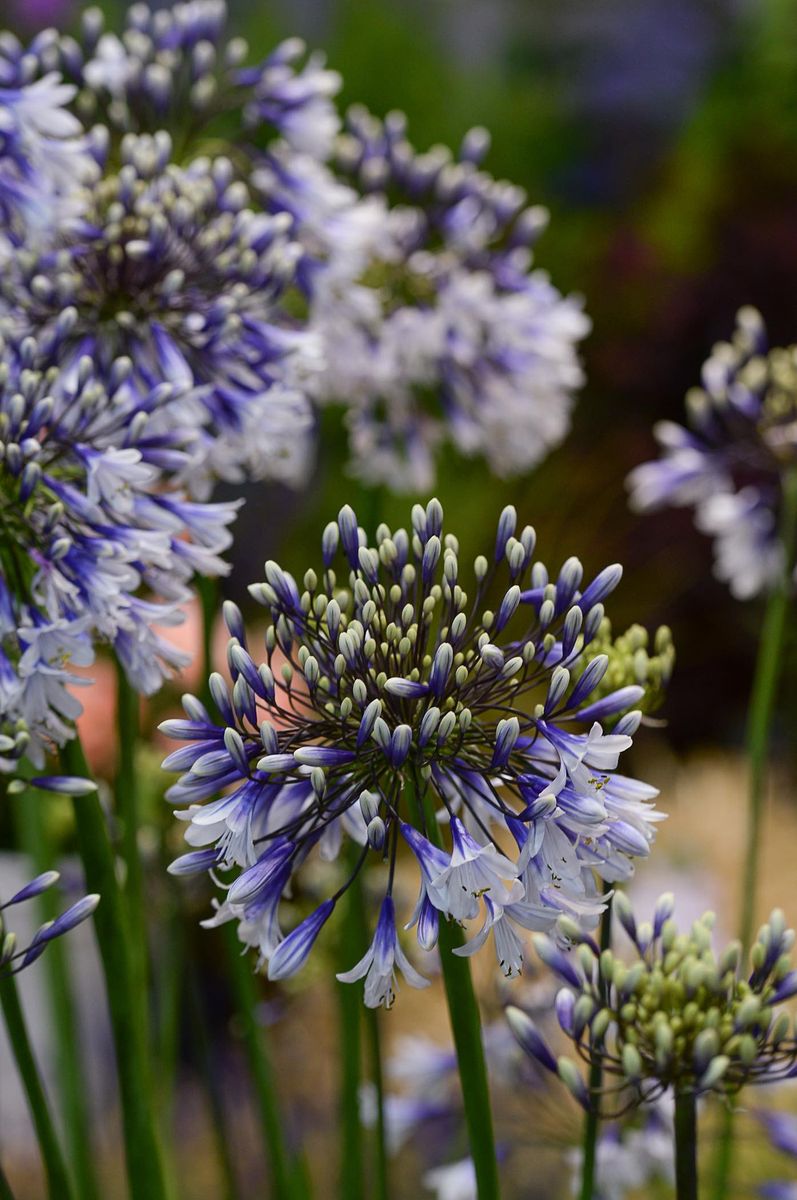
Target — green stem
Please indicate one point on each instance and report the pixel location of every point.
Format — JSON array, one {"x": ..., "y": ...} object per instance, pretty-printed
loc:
[
  {"x": 38, "y": 845},
  {"x": 352, "y": 1183},
  {"x": 685, "y": 1146},
  {"x": 287, "y": 1182},
  {"x": 762, "y": 702},
  {"x": 144, "y": 1166},
  {"x": 245, "y": 994},
  {"x": 126, "y": 794},
  {"x": 762, "y": 705},
  {"x": 169, "y": 1013},
  {"x": 358, "y": 916},
  {"x": 592, "y": 1120},
  {"x": 218, "y": 1114},
  {"x": 463, "y": 1011},
  {"x": 381, "y": 1183},
  {"x": 58, "y": 1182}
]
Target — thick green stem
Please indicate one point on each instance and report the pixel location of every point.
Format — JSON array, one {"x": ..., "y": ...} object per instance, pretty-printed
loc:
[
  {"x": 358, "y": 916},
  {"x": 286, "y": 1182},
  {"x": 58, "y": 1183},
  {"x": 351, "y": 1178},
  {"x": 38, "y": 845},
  {"x": 245, "y": 993},
  {"x": 685, "y": 1146},
  {"x": 762, "y": 706},
  {"x": 463, "y": 1011},
  {"x": 762, "y": 703},
  {"x": 144, "y": 1165},
  {"x": 592, "y": 1120},
  {"x": 218, "y": 1116},
  {"x": 381, "y": 1181},
  {"x": 126, "y": 794},
  {"x": 171, "y": 977}
]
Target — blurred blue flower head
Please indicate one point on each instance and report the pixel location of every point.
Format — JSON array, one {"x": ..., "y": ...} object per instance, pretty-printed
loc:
[{"x": 730, "y": 465}]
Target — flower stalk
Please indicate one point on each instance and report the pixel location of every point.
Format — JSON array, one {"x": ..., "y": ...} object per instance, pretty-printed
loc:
[
  {"x": 762, "y": 707},
  {"x": 762, "y": 702},
  {"x": 352, "y": 1166},
  {"x": 463, "y": 1011},
  {"x": 37, "y": 844},
  {"x": 685, "y": 1146},
  {"x": 59, "y": 1184},
  {"x": 127, "y": 800},
  {"x": 592, "y": 1117},
  {"x": 244, "y": 991},
  {"x": 143, "y": 1155},
  {"x": 285, "y": 1182}
]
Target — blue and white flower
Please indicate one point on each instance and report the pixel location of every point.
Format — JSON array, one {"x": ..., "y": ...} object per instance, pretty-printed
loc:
[
  {"x": 729, "y": 466},
  {"x": 95, "y": 543},
  {"x": 45, "y": 161},
  {"x": 399, "y": 711},
  {"x": 435, "y": 327},
  {"x": 171, "y": 269}
]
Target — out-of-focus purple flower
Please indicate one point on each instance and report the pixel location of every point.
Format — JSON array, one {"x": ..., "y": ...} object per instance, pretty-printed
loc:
[
  {"x": 435, "y": 327},
  {"x": 98, "y": 546},
  {"x": 45, "y": 163},
  {"x": 729, "y": 465}
]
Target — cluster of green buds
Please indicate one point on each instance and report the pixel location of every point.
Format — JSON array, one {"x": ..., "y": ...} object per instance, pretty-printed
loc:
[
  {"x": 636, "y": 659},
  {"x": 680, "y": 1017}
]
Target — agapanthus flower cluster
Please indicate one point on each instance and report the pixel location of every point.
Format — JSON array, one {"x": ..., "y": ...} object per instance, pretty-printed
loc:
[
  {"x": 397, "y": 709},
  {"x": 172, "y": 269},
  {"x": 730, "y": 464},
  {"x": 14, "y": 959},
  {"x": 415, "y": 272},
  {"x": 45, "y": 163},
  {"x": 435, "y": 326},
  {"x": 92, "y": 547},
  {"x": 679, "y": 1018},
  {"x": 167, "y": 63}
]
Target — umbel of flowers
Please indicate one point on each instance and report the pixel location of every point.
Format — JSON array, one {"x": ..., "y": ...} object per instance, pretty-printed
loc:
[
  {"x": 415, "y": 269},
  {"x": 92, "y": 547},
  {"x": 733, "y": 461},
  {"x": 435, "y": 326},
  {"x": 679, "y": 1017},
  {"x": 173, "y": 269},
  {"x": 396, "y": 708}
]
